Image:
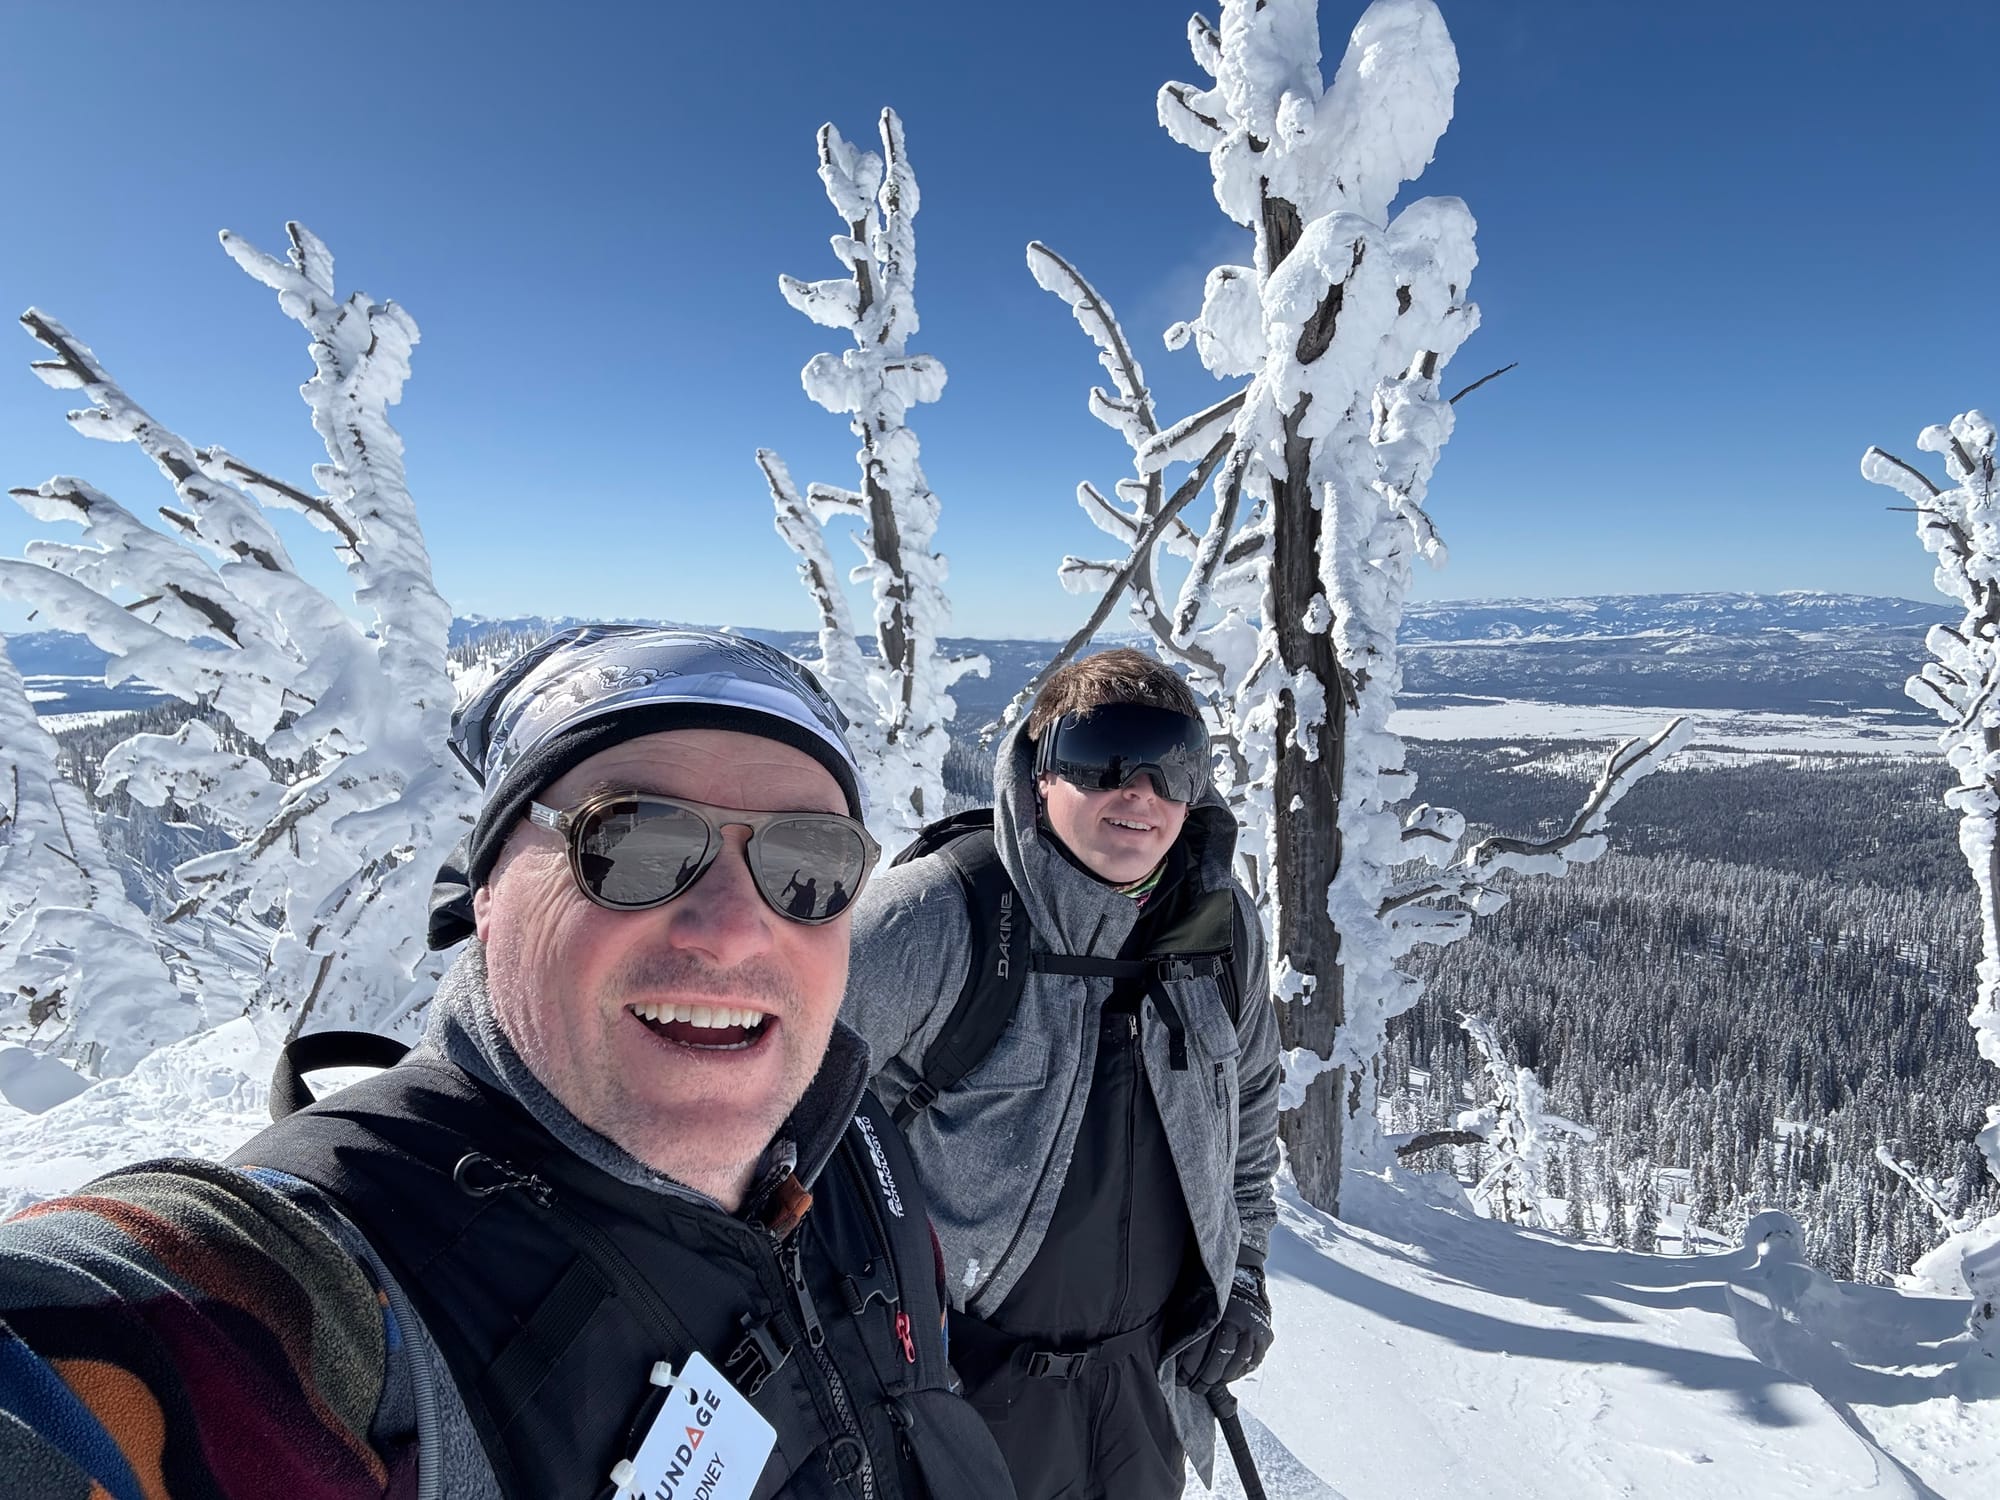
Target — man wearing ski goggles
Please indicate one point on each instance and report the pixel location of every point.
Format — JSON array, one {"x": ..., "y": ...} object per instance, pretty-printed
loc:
[
  {"x": 1065, "y": 997},
  {"x": 1116, "y": 782}
]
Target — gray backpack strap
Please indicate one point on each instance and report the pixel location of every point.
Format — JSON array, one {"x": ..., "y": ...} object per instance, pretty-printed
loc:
[{"x": 996, "y": 971}]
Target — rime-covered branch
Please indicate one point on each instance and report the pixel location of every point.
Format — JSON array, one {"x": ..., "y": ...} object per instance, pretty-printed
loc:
[
  {"x": 1432, "y": 832},
  {"x": 898, "y": 699},
  {"x": 81, "y": 971},
  {"x": 1517, "y": 1128},
  {"x": 341, "y": 817}
]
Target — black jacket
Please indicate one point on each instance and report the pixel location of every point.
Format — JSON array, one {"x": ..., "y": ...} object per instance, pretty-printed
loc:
[{"x": 552, "y": 1288}]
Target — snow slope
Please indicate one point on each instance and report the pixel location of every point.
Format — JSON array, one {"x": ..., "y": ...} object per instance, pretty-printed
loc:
[
  {"x": 1422, "y": 1354},
  {"x": 1426, "y": 1355}
]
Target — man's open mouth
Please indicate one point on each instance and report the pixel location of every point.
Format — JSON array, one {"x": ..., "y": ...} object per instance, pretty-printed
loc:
[
  {"x": 1128, "y": 823},
  {"x": 711, "y": 1028}
]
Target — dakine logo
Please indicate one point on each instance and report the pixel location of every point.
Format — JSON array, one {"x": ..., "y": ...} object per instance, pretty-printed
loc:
[
  {"x": 680, "y": 1468},
  {"x": 890, "y": 1196},
  {"x": 1006, "y": 932}
]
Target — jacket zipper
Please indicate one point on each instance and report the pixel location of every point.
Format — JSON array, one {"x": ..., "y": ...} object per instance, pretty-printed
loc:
[
  {"x": 864, "y": 1473},
  {"x": 1137, "y": 1063}
]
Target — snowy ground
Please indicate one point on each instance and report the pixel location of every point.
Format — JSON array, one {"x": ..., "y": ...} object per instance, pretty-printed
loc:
[
  {"x": 1429, "y": 1355},
  {"x": 1501, "y": 718},
  {"x": 1422, "y": 1354}
]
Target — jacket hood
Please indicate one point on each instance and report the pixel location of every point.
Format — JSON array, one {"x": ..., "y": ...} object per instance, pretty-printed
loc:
[
  {"x": 464, "y": 1029},
  {"x": 1072, "y": 911}
]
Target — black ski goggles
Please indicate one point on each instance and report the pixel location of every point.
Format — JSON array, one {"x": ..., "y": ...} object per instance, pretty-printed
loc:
[
  {"x": 633, "y": 850},
  {"x": 1107, "y": 747}
]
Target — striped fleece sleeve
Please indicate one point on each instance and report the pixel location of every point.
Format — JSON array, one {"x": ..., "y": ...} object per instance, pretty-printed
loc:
[{"x": 178, "y": 1331}]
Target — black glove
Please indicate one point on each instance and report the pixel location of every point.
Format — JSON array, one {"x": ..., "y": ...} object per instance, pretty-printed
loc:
[{"x": 1236, "y": 1345}]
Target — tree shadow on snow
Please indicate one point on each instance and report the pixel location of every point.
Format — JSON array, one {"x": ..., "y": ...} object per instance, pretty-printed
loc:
[{"x": 1830, "y": 1341}]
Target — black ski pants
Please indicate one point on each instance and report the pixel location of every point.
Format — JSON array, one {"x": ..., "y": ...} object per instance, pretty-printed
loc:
[{"x": 1091, "y": 1426}]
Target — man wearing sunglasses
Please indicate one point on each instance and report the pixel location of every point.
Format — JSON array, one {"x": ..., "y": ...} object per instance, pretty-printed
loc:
[
  {"x": 625, "y": 1223},
  {"x": 1066, "y": 1003}
]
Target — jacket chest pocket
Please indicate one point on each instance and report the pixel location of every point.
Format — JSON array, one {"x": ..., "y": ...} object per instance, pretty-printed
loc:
[{"x": 1214, "y": 1048}]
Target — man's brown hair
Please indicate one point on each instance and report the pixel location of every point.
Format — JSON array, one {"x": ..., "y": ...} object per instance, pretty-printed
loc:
[{"x": 1122, "y": 675}]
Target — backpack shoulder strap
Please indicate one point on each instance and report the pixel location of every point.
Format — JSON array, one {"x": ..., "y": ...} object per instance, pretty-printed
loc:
[
  {"x": 326, "y": 1049},
  {"x": 1233, "y": 961},
  {"x": 996, "y": 970},
  {"x": 945, "y": 832}
]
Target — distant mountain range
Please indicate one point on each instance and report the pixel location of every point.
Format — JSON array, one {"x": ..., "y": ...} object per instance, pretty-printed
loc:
[{"x": 1791, "y": 652}]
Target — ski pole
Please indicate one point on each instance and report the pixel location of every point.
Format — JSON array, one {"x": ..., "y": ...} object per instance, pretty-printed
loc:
[{"x": 1222, "y": 1401}]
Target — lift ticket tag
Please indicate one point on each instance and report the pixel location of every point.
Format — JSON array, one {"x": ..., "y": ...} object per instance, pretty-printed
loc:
[{"x": 707, "y": 1443}]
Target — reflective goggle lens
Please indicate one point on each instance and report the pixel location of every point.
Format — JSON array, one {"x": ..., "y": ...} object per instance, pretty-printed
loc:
[{"x": 1111, "y": 746}]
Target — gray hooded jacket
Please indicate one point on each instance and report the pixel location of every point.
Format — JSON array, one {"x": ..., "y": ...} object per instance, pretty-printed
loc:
[{"x": 994, "y": 1149}]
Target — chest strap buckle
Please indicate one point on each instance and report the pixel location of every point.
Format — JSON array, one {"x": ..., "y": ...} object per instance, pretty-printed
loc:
[{"x": 757, "y": 1358}]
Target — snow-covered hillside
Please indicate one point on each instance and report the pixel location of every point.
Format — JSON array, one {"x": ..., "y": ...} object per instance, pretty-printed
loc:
[
  {"x": 1423, "y": 1354},
  {"x": 1426, "y": 1355}
]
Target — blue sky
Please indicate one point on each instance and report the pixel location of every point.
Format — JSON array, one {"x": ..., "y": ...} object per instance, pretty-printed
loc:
[{"x": 1731, "y": 244}]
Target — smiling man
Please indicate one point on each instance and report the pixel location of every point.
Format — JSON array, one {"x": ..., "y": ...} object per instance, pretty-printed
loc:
[
  {"x": 1066, "y": 1002},
  {"x": 633, "y": 1152}
]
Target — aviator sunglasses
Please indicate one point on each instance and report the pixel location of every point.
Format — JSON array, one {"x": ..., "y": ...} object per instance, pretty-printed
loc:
[{"x": 632, "y": 850}]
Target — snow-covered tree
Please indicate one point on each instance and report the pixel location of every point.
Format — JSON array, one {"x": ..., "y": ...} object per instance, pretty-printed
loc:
[
  {"x": 1318, "y": 463},
  {"x": 342, "y": 816},
  {"x": 1576, "y": 1220},
  {"x": 1520, "y": 1131},
  {"x": 1646, "y": 1213},
  {"x": 1960, "y": 526},
  {"x": 81, "y": 972},
  {"x": 898, "y": 697}
]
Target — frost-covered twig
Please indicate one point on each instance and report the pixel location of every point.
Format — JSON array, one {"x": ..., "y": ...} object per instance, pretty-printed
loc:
[
  {"x": 1469, "y": 880},
  {"x": 897, "y": 700},
  {"x": 1927, "y": 1193},
  {"x": 341, "y": 842},
  {"x": 1961, "y": 527}
]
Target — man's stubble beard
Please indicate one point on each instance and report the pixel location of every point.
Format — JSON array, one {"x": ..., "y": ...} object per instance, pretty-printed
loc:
[{"x": 616, "y": 1110}]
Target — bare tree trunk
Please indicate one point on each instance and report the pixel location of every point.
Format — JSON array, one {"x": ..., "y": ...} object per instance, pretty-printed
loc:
[
  {"x": 1307, "y": 801},
  {"x": 1306, "y": 792}
]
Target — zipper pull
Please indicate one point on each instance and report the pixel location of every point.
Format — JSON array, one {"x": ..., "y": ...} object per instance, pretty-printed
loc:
[
  {"x": 808, "y": 1314},
  {"x": 1221, "y": 1098},
  {"x": 1132, "y": 1028},
  {"x": 478, "y": 1175},
  {"x": 903, "y": 1335}
]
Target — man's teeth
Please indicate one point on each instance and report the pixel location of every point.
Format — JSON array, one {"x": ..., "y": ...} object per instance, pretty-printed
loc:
[
  {"x": 705, "y": 1017},
  {"x": 1123, "y": 823}
]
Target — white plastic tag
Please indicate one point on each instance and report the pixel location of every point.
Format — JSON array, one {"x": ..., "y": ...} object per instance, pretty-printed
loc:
[{"x": 707, "y": 1443}]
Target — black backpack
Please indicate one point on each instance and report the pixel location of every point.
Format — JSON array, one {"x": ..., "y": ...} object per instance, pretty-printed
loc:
[{"x": 1003, "y": 954}]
